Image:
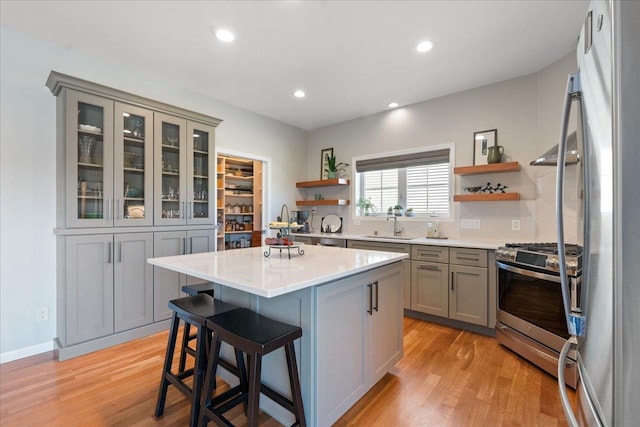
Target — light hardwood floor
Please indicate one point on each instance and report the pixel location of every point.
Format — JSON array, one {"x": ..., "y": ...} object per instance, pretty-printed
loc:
[{"x": 447, "y": 377}]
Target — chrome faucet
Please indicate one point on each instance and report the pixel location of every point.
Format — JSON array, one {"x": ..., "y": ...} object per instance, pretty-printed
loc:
[{"x": 396, "y": 230}]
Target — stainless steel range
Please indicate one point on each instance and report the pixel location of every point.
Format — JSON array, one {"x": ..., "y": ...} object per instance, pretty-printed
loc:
[{"x": 530, "y": 319}]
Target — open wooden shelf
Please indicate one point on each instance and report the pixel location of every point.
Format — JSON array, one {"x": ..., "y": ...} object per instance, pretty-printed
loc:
[
  {"x": 335, "y": 202},
  {"x": 323, "y": 183},
  {"x": 484, "y": 197},
  {"x": 491, "y": 168}
]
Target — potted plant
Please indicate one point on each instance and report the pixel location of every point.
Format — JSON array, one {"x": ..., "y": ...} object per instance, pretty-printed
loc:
[
  {"x": 397, "y": 210},
  {"x": 333, "y": 168},
  {"x": 365, "y": 205},
  {"x": 409, "y": 212}
]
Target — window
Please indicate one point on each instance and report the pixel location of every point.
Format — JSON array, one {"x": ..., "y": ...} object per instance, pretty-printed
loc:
[{"x": 420, "y": 180}]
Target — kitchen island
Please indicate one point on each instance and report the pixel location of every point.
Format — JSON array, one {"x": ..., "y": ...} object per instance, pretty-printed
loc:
[{"x": 348, "y": 303}]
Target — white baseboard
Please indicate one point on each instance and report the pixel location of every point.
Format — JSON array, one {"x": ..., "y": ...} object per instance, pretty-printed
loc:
[{"x": 10, "y": 356}]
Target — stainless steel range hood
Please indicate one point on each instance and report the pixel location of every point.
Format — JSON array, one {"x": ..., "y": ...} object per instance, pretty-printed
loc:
[{"x": 550, "y": 158}]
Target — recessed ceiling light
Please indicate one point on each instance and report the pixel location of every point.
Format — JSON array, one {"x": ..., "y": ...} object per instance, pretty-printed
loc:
[
  {"x": 224, "y": 35},
  {"x": 392, "y": 105},
  {"x": 299, "y": 94},
  {"x": 424, "y": 46}
]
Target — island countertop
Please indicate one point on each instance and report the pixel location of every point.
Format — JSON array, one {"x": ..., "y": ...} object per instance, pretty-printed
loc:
[{"x": 250, "y": 271}]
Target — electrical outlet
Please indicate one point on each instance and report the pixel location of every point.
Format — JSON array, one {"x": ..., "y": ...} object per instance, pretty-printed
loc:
[
  {"x": 470, "y": 224},
  {"x": 42, "y": 313},
  {"x": 515, "y": 224}
]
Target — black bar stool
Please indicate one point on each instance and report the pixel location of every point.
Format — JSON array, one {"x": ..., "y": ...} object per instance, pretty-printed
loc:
[
  {"x": 187, "y": 336},
  {"x": 194, "y": 311},
  {"x": 255, "y": 335}
]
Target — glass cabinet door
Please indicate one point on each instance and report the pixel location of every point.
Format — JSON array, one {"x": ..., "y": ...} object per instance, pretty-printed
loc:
[
  {"x": 200, "y": 167},
  {"x": 170, "y": 170},
  {"x": 89, "y": 160},
  {"x": 133, "y": 160}
]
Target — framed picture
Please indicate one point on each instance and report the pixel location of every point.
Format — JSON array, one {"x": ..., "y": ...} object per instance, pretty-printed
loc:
[
  {"x": 325, "y": 153},
  {"x": 481, "y": 141}
]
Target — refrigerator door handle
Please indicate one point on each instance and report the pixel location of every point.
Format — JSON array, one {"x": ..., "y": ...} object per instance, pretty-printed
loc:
[
  {"x": 575, "y": 321},
  {"x": 564, "y": 397}
]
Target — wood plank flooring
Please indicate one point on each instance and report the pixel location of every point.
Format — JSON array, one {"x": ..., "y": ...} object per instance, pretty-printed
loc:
[{"x": 447, "y": 377}]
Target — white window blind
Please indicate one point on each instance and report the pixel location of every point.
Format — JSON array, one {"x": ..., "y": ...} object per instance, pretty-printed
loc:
[
  {"x": 418, "y": 180},
  {"x": 381, "y": 187}
]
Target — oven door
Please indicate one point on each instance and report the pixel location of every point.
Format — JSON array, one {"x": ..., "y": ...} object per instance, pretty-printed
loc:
[{"x": 531, "y": 303}]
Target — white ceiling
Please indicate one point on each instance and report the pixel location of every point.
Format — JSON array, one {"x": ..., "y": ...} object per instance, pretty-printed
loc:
[{"x": 351, "y": 57}]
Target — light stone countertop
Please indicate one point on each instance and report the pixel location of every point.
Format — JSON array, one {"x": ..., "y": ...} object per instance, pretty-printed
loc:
[
  {"x": 457, "y": 243},
  {"x": 250, "y": 271}
]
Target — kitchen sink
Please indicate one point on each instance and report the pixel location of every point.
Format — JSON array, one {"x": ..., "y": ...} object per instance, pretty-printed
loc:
[{"x": 379, "y": 236}]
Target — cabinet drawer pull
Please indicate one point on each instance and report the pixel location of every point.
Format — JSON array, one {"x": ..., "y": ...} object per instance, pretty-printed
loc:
[
  {"x": 431, "y": 254},
  {"x": 429, "y": 267},
  {"x": 469, "y": 258}
]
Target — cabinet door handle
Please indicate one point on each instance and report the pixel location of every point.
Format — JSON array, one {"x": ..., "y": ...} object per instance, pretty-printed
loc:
[
  {"x": 452, "y": 275},
  {"x": 108, "y": 252},
  {"x": 109, "y": 209},
  {"x": 429, "y": 267},
  {"x": 377, "y": 291},
  {"x": 184, "y": 246},
  {"x": 191, "y": 210},
  {"x": 190, "y": 245},
  {"x": 119, "y": 251},
  {"x": 182, "y": 213},
  {"x": 370, "y": 307}
]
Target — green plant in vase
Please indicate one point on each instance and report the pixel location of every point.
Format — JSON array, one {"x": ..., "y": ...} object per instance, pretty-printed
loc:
[
  {"x": 397, "y": 210},
  {"x": 365, "y": 205},
  {"x": 333, "y": 169}
]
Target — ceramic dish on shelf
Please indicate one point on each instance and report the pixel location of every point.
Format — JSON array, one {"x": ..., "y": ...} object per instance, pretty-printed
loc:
[{"x": 89, "y": 128}]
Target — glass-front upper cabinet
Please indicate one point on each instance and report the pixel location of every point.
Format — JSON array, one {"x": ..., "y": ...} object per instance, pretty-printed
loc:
[
  {"x": 133, "y": 166},
  {"x": 89, "y": 160},
  {"x": 170, "y": 180},
  {"x": 200, "y": 166}
]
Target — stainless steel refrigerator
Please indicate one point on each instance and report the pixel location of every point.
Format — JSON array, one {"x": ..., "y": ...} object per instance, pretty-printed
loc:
[{"x": 604, "y": 316}]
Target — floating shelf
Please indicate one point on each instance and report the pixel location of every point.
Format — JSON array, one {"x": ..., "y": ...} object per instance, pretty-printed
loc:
[
  {"x": 336, "y": 202},
  {"x": 490, "y": 168},
  {"x": 322, "y": 183},
  {"x": 495, "y": 197}
]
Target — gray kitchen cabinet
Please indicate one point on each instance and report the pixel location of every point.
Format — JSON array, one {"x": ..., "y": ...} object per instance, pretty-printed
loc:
[
  {"x": 86, "y": 178},
  {"x": 168, "y": 284},
  {"x": 450, "y": 283},
  {"x": 109, "y": 284},
  {"x": 361, "y": 337},
  {"x": 133, "y": 165},
  {"x": 390, "y": 247},
  {"x": 468, "y": 299},
  {"x": 108, "y": 162},
  {"x": 133, "y": 280},
  {"x": 112, "y": 198},
  {"x": 430, "y": 280},
  {"x": 88, "y": 295},
  {"x": 184, "y": 162}
]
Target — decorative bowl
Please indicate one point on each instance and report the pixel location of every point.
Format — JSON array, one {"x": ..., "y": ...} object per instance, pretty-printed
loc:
[{"x": 472, "y": 190}]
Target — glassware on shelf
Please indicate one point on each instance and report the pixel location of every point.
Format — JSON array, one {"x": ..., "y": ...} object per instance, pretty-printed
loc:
[{"x": 85, "y": 144}]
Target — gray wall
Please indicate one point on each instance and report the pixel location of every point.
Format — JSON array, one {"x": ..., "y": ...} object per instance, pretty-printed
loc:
[
  {"x": 526, "y": 112},
  {"x": 28, "y": 170}
]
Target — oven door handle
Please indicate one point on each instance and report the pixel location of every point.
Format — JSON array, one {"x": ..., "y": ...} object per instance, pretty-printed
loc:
[{"x": 529, "y": 273}]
